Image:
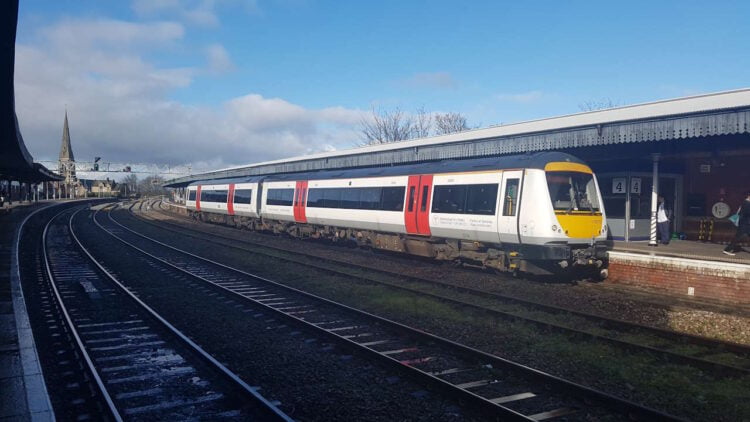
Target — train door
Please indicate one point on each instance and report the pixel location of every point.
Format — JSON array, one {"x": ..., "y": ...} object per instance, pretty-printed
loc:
[
  {"x": 230, "y": 200},
  {"x": 508, "y": 210},
  {"x": 417, "y": 207},
  {"x": 198, "y": 198},
  {"x": 300, "y": 198}
]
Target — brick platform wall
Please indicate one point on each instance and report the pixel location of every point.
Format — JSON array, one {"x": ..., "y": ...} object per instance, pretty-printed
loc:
[{"x": 722, "y": 281}]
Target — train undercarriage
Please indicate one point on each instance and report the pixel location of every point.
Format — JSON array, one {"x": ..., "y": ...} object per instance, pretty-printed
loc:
[{"x": 555, "y": 259}]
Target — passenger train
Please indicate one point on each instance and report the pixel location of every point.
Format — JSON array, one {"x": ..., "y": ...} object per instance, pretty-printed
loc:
[{"x": 535, "y": 213}]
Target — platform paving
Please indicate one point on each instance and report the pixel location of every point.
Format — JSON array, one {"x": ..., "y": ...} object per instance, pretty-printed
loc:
[
  {"x": 687, "y": 249},
  {"x": 24, "y": 395}
]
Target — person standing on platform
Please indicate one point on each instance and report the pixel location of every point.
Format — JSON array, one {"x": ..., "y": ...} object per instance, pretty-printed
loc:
[
  {"x": 662, "y": 221},
  {"x": 743, "y": 227}
]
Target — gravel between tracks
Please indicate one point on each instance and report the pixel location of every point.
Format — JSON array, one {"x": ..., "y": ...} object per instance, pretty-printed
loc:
[{"x": 612, "y": 301}]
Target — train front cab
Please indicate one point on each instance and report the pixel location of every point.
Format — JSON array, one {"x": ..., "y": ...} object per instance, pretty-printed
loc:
[{"x": 579, "y": 216}]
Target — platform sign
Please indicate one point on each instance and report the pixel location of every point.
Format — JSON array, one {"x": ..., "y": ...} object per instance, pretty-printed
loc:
[
  {"x": 619, "y": 184},
  {"x": 635, "y": 185}
]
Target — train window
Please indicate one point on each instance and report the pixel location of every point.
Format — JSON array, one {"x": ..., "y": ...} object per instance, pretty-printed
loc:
[
  {"x": 315, "y": 198},
  {"x": 392, "y": 199},
  {"x": 572, "y": 191},
  {"x": 423, "y": 207},
  {"x": 350, "y": 198},
  {"x": 214, "y": 196},
  {"x": 332, "y": 198},
  {"x": 481, "y": 199},
  {"x": 243, "y": 196},
  {"x": 410, "y": 201},
  {"x": 191, "y": 195},
  {"x": 511, "y": 198},
  {"x": 369, "y": 198},
  {"x": 280, "y": 197},
  {"x": 450, "y": 199}
]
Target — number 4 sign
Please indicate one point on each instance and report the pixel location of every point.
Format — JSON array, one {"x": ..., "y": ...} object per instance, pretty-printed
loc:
[
  {"x": 635, "y": 185},
  {"x": 618, "y": 184}
]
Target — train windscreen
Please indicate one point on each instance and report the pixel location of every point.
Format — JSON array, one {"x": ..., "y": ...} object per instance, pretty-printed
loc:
[{"x": 573, "y": 191}]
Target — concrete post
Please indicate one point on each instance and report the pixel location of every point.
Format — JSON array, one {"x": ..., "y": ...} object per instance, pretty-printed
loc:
[{"x": 654, "y": 198}]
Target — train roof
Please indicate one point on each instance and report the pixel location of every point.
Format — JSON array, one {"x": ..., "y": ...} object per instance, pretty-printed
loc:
[{"x": 535, "y": 160}]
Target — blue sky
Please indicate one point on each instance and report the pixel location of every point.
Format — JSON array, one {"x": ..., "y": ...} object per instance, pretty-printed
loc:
[{"x": 227, "y": 82}]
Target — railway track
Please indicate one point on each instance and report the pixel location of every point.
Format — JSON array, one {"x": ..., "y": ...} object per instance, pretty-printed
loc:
[
  {"x": 137, "y": 366},
  {"x": 718, "y": 357},
  {"x": 498, "y": 387}
]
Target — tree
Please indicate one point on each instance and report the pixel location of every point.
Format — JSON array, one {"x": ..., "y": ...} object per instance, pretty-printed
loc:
[
  {"x": 384, "y": 127},
  {"x": 129, "y": 184},
  {"x": 446, "y": 123},
  {"x": 422, "y": 124},
  {"x": 151, "y": 185},
  {"x": 595, "y": 105}
]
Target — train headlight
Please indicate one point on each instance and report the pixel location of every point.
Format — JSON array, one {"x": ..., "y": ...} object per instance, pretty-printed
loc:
[{"x": 554, "y": 228}]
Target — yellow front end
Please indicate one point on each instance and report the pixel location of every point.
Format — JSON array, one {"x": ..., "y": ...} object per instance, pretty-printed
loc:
[{"x": 575, "y": 199}]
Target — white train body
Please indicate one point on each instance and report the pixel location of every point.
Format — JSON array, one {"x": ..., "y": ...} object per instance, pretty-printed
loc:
[{"x": 533, "y": 212}]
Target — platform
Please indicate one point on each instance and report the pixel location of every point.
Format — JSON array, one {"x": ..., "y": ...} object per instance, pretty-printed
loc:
[
  {"x": 683, "y": 268},
  {"x": 24, "y": 395}
]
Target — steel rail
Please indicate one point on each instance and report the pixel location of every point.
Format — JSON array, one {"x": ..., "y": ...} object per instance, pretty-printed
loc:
[
  {"x": 561, "y": 384},
  {"x": 275, "y": 412},
  {"x": 71, "y": 326},
  {"x": 725, "y": 369}
]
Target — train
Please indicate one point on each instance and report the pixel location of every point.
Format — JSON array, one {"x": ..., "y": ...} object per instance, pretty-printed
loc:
[{"x": 537, "y": 213}]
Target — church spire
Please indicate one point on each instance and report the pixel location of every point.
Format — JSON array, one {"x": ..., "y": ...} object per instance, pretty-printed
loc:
[
  {"x": 66, "y": 151},
  {"x": 66, "y": 164}
]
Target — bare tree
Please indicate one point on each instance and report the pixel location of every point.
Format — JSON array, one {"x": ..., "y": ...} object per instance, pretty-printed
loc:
[
  {"x": 422, "y": 124},
  {"x": 595, "y": 105},
  {"x": 384, "y": 127},
  {"x": 129, "y": 184},
  {"x": 446, "y": 123}
]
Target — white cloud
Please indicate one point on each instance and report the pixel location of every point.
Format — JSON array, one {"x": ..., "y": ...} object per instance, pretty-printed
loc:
[
  {"x": 110, "y": 32},
  {"x": 120, "y": 109},
  {"x": 523, "y": 97},
  {"x": 195, "y": 12},
  {"x": 218, "y": 59}
]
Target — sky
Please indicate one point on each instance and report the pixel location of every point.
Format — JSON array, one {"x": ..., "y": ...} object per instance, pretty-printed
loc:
[{"x": 206, "y": 84}]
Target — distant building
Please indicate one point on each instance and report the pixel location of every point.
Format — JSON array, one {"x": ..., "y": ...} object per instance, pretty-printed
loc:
[{"x": 91, "y": 187}]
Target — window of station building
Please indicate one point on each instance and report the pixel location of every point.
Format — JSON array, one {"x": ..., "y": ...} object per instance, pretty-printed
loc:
[
  {"x": 243, "y": 196},
  {"x": 481, "y": 199},
  {"x": 191, "y": 195},
  {"x": 510, "y": 204},
  {"x": 450, "y": 199},
  {"x": 280, "y": 197},
  {"x": 214, "y": 196}
]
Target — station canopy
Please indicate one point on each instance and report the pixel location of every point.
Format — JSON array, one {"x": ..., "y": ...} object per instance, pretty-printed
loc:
[
  {"x": 15, "y": 161},
  {"x": 701, "y": 116}
]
